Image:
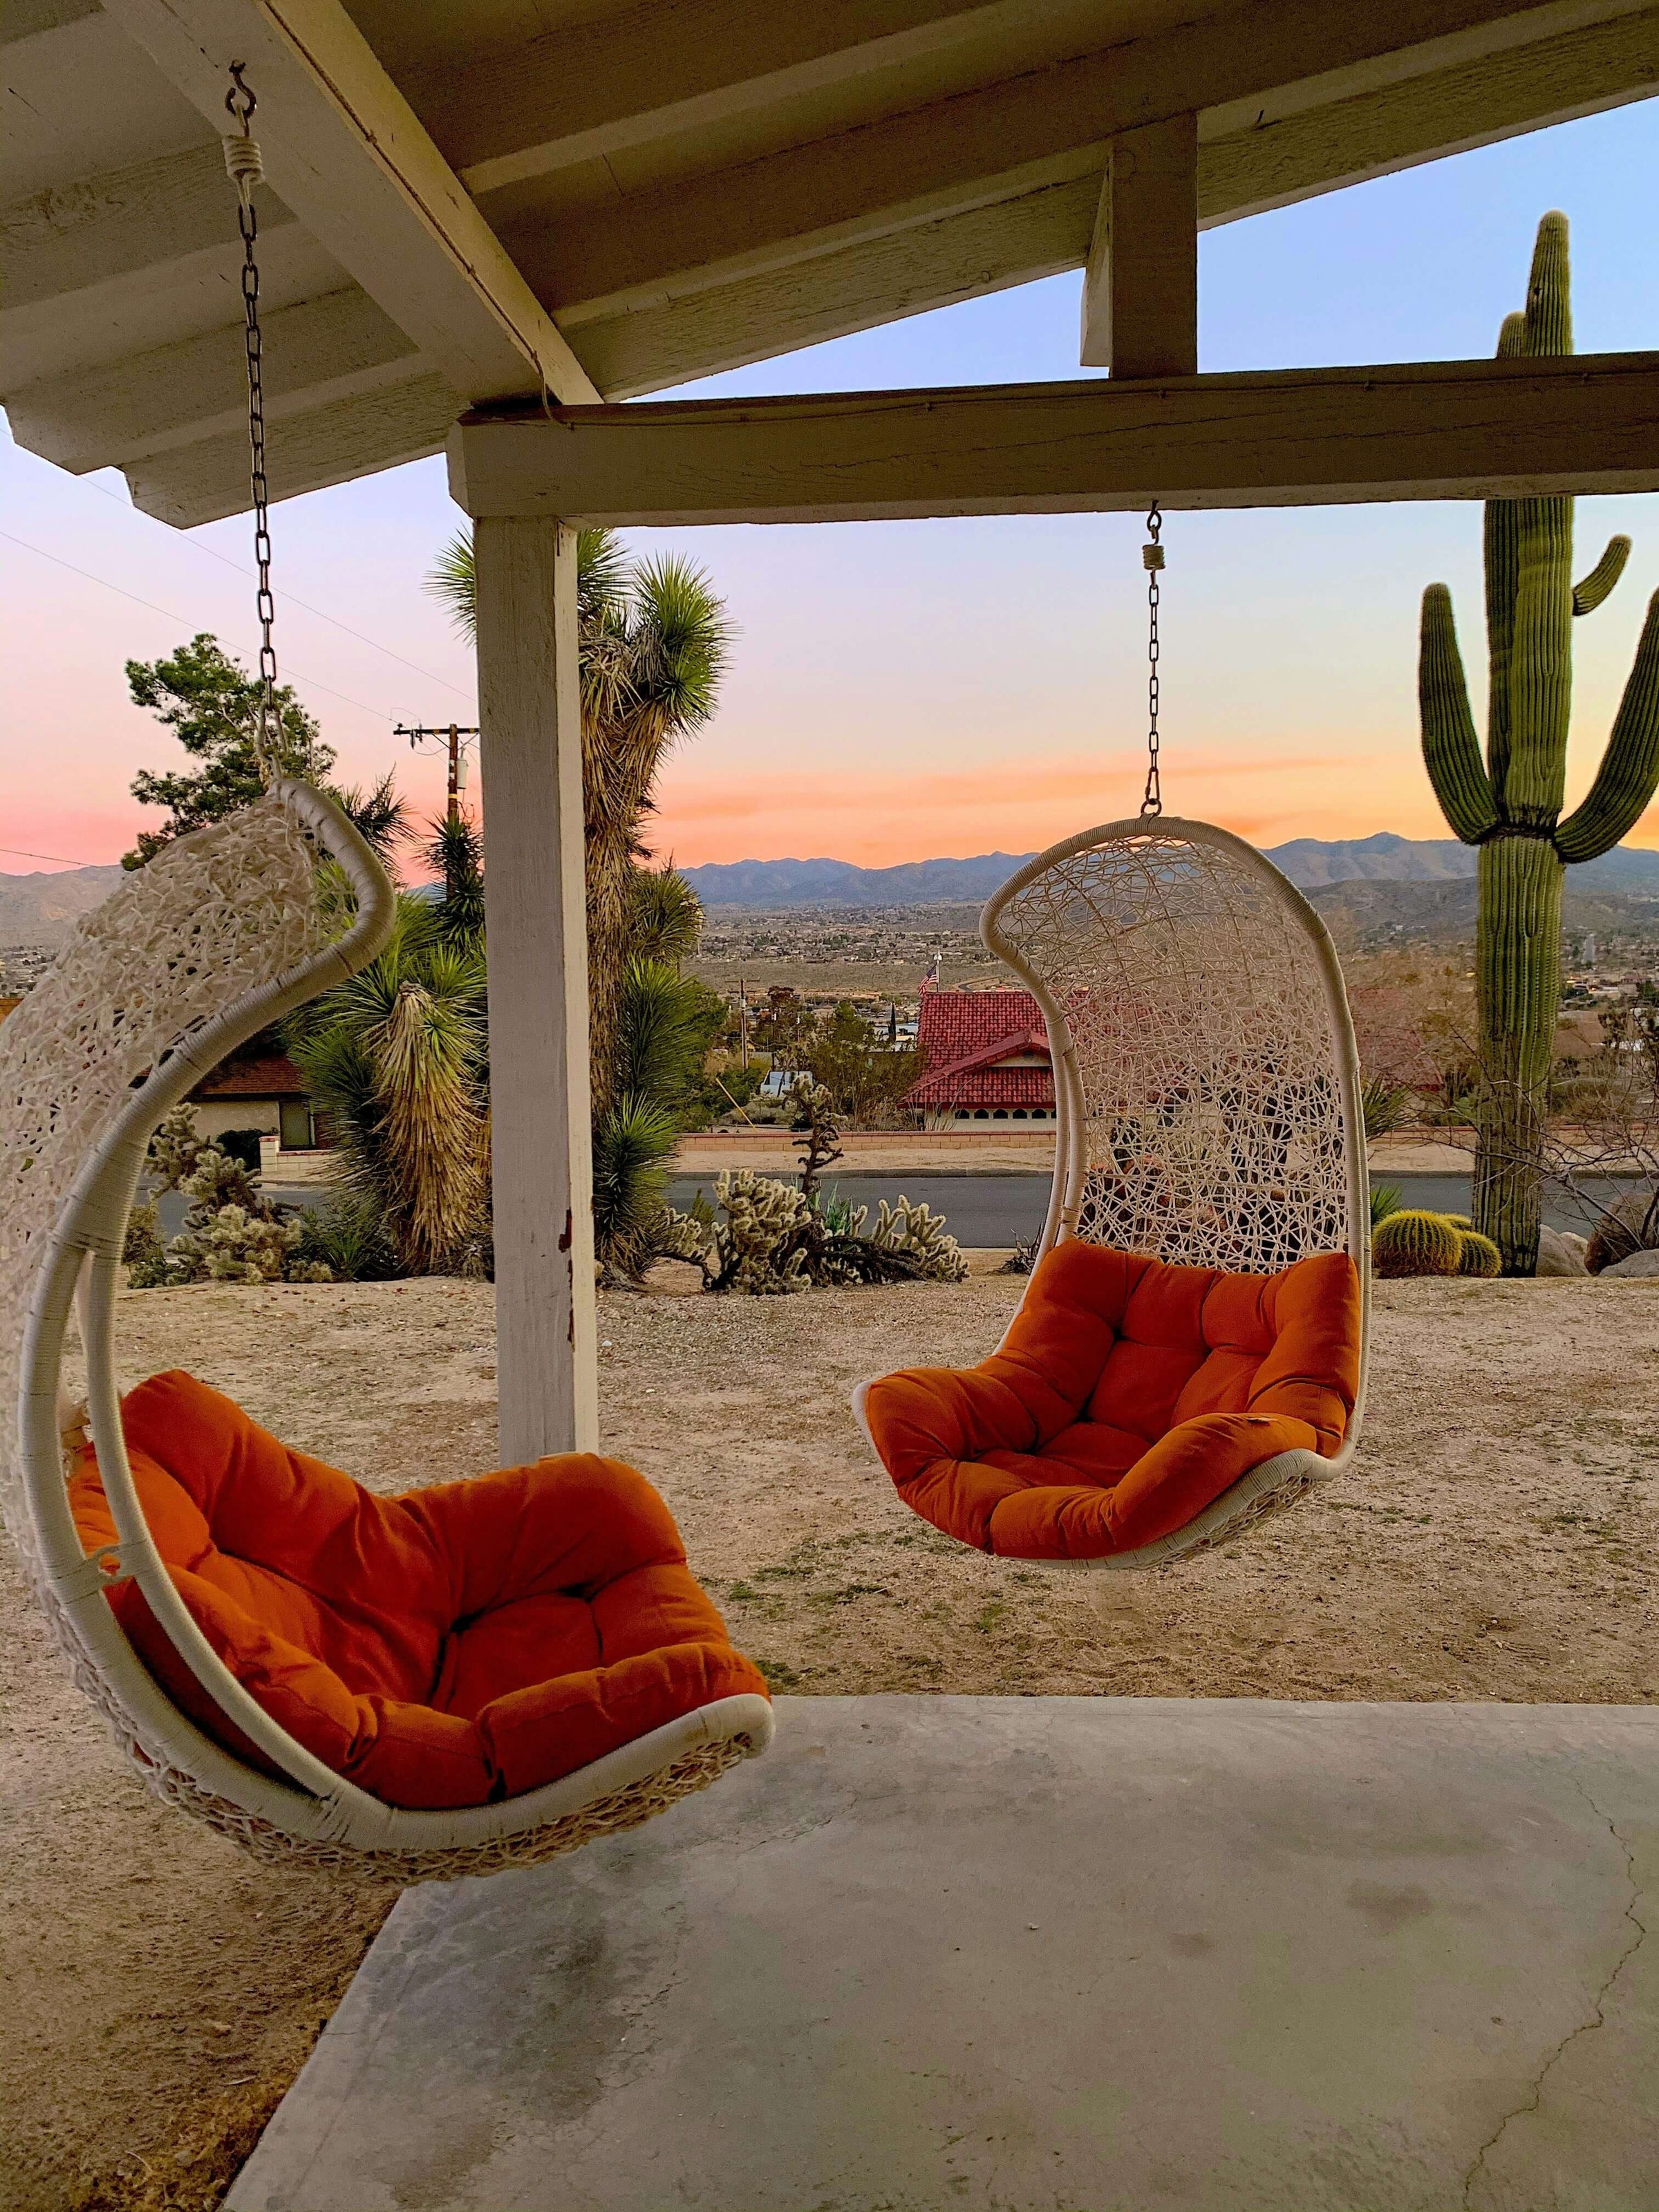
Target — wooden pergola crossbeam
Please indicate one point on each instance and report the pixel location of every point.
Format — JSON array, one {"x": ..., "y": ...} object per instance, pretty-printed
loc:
[{"x": 1481, "y": 429}]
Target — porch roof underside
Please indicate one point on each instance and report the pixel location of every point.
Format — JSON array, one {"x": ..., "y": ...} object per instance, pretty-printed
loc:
[{"x": 621, "y": 198}]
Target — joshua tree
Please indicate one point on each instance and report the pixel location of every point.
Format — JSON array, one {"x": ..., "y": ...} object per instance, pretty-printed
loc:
[
  {"x": 1509, "y": 804},
  {"x": 653, "y": 642}
]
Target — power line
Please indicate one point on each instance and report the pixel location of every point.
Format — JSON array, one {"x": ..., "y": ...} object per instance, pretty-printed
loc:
[
  {"x": 183, "y": 537},
  {"x": 16, "y": 852},
  {"x": 315, "y": 683}
]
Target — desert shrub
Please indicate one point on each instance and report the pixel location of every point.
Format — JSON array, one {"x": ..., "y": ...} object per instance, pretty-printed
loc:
[
  {"x": 1385, "y": 1201},
  {"x": 1386, "y": 1105},
  {"x": 347, "y": 1236}
]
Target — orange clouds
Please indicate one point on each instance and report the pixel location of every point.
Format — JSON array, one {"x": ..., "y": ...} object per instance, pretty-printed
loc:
[{"x": 876, "y": 818}]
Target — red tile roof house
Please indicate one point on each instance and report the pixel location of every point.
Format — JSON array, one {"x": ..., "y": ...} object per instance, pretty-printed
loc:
[{"x": 986, "y": 1057}]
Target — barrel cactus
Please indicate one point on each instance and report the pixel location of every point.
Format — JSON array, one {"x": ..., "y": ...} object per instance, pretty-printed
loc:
[
  {"x": 1477, "y": 1255},
  {"x": 1413, "y": 1243},
  {"x": 1510, "y": 803}
]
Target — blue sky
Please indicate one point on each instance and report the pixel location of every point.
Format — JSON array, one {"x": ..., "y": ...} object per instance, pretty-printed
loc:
[{"x": 902, "y": 690}]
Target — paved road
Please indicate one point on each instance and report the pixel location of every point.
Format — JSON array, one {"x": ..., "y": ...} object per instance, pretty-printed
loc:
[{"x": 1001, "y": 1210}]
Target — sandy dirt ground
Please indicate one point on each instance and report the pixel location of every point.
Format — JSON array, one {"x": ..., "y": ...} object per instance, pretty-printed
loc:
[{"x": 1494, "y": 1540}]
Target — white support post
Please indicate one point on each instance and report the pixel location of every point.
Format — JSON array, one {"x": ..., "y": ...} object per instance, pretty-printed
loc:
[
  {"x": 530, "y": 762},
  {"x": 1140, "y": 287}
]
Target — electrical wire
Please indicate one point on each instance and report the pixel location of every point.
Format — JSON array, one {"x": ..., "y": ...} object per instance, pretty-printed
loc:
[
  {"x": 184, "y": 537},
  {"x": 57, "y": 559}
]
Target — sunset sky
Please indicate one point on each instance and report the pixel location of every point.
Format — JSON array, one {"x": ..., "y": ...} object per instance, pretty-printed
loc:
[{"x": 903, "y": 690}]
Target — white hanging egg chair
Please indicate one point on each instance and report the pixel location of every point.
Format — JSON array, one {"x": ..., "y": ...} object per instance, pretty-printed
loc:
[
  {"x": 227, "y": 931},
  {"x": 1190, "y": 1351}
]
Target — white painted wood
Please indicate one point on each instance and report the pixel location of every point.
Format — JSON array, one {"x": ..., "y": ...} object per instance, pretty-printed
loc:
[
  {"x": 347, "y": 153},
  {"x": 1284, "y": 159},
  {"x": 1038, "y": 125},
  {"x": 1481, "y": 429},
  {"x": 315, "y": 353},
  {"x": 1140, "y": 282},
  {"x": 901, "y": 273},
  {"x": 605, "y": 84},
  {"x": 324, "y": 445},
  {"x": 530, "y": 709}
]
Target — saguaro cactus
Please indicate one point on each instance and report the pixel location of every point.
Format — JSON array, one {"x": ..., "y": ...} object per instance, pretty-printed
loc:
[{"x": 1509, "y": 804}]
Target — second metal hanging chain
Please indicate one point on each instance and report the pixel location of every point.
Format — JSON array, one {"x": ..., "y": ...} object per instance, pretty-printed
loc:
[
  {"x": 243, "y": 161},
  {"x": 1151, "y": 556}
]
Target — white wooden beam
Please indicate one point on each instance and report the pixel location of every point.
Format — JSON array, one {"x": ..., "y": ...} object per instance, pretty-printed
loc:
[
  {"x": 1140, "y": 282},
  {"x": 531, "y": 761},
  {"x": 994, "y": 141},
  {"x": 346, "y": 153},
  {"x": 1480, "y": 430}
]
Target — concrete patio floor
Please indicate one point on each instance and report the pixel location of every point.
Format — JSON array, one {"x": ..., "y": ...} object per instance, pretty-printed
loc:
[{"x": 1036, "y": 1955}]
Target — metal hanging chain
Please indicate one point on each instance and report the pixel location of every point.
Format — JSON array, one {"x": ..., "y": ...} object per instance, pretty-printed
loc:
[
  {"x": 247, "y": 169},
  {"x": 1151, "y": 559}
]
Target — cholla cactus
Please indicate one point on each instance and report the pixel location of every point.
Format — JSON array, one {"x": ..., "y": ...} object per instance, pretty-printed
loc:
[
  {"x": 232, "y": 1245},
  {"x": 773, "y": 1241},
  {"x": 175, "y": 1148},
  {"x": 913, "y": 1228},
  {"x": 759, "y": 1248},
  {"x": 231, "y": 1235}
]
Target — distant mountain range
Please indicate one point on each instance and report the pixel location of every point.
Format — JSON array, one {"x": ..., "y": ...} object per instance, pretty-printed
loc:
[
  {"x": 1310, "y": 862},
  {"x": 42, "y": 909}
]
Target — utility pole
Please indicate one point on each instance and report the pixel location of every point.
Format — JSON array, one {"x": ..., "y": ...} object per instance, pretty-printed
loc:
[
  {"x": 743, "y": 1017},
  {"x": 451, "y": 736}
]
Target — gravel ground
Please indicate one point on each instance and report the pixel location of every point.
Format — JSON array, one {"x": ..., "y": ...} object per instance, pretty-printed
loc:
[{"x": 1493, "y": 1541}]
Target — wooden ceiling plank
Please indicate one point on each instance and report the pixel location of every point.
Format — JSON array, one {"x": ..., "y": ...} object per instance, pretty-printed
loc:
[
  {"x": 1532, "y": 87},
  {"x": 1140, "y": 282},
  {"x": 346, "y": 153},
  {"x": 327, "y": 444},
  {"x": 111, "y": 225},
  {"x": 1485, "y": 429},
  {"x": 656, "y": 69},
  {"x": 970, "y": 150},
  {"x": 660, "y": 338},
  {"x": 315, "y": 351},
  {"x": 904, "y": 272}
]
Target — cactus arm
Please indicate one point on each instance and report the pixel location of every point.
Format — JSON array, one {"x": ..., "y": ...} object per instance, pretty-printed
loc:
[
  {"x": 1452, "y": 752},
  {"x": 1589, "y": 595},
  {"x": 1629, "y": 773}
]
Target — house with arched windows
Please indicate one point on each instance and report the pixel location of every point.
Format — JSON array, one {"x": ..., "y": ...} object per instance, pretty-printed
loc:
[{"x": 985, "y": 1058}]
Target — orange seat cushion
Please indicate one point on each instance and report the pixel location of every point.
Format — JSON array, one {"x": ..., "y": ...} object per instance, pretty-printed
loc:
[
  {"x": 1126, "y": 1396},
  {"x": 444, "y": 1648}
]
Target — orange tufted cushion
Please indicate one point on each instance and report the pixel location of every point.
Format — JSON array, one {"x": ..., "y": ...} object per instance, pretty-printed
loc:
[
  {"x": 1127, "y": 1396},
  {"x": 444, "y": 1648}
]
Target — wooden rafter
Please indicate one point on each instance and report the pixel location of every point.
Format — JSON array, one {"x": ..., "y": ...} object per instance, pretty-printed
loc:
[{"x": 348, "y": 155}]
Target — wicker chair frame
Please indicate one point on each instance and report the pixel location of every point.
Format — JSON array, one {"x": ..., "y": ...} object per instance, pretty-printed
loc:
[
  {"x": 226, "y": 933},
  {"x": 1208, "y": 1095}
]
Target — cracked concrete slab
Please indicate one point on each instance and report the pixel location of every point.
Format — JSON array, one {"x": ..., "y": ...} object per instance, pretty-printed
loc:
[{"x": 1036, "y": 1955}]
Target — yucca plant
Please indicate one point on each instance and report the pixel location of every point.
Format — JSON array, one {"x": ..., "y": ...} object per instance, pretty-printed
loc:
[
  {"x": 652, "y": 640},
  {"x": 396, "y": 1057}
]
